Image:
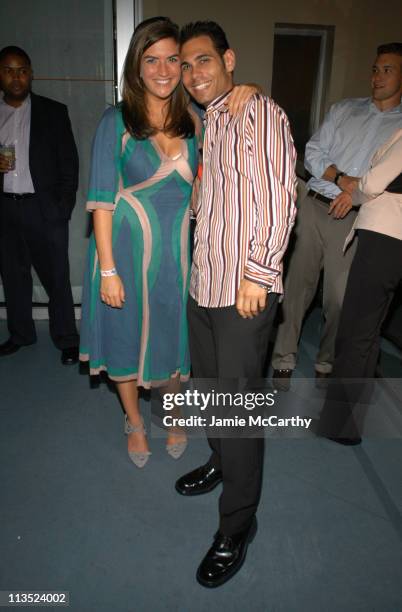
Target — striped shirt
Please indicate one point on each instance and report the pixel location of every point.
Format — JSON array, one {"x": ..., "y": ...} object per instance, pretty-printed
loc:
[{"x": 246, "y": 204}]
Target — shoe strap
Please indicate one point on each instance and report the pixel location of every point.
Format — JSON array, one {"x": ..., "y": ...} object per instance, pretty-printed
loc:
[
  {"x": 129, "y": 428},
  {"x": 176, "y": 433}
]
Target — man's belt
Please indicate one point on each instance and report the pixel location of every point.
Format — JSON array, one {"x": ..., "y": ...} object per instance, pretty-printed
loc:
[
  {"x": 17, "y": 196},
  {"x": 318, "y": 196}
]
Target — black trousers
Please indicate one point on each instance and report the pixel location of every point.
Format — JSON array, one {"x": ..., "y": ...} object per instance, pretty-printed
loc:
[
  {"x": 223, "y": 345},
  {"x": 392, "y": 328},
  {"x": 374, "y": 276},
  {"x": 28, "y": 239},
  {"x": 373, "y": 279}
]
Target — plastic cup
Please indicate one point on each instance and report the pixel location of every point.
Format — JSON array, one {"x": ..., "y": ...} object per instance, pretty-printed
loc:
[{"x": 8, "y": 151}]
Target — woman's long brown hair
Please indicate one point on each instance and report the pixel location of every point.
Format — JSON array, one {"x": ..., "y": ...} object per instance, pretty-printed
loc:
[{"x": 178, "y": 122}]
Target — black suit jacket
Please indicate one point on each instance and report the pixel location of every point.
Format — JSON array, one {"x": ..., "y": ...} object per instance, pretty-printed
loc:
[{"x": 53, "y": 158}]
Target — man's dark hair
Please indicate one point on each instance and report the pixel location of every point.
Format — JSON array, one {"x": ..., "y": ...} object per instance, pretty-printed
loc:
[
  {"x": 205, "y": 28},
  {"x": 12, "y": 50},
  {"x": 394, "y": 47}
]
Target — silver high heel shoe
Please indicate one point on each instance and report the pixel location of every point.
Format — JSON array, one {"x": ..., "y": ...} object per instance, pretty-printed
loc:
[
  {"x": 176, "y": 450},
  {"x": 139, "y": 459}
]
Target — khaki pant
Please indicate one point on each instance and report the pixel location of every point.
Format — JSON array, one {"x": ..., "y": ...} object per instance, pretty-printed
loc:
[{"x": 318, "y": 245}]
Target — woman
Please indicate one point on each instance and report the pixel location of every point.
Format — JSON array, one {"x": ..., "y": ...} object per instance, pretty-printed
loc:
[
  {"x": 375, "y": 274},
  {"x": 144, "y": 160}
]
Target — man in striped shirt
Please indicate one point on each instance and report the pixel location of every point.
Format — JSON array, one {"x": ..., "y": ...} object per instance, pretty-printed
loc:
[{"x": 244, "y": 216}]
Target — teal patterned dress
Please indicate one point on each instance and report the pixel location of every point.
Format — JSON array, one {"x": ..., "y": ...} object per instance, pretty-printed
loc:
[{"x": 149, "y": 194}]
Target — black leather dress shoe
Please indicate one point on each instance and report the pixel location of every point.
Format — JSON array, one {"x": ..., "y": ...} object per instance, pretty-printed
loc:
[
  {"x": 69, "y": 356},
  {"x": 346, "y": 441},
  {"x": 281, "y": 379},
  {"x": 199, "y": 481},
  {"x": 225, "y": 557},
  {"x": 8, "y": 348},
  {"x": 322, "y": 379}
]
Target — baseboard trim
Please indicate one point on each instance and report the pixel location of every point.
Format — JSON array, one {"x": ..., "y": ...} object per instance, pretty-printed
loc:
[{"x": 40, "y": 313}]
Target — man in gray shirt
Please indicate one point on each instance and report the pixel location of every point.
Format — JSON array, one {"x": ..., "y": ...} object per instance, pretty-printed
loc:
[{"x": 337, "y": 153}]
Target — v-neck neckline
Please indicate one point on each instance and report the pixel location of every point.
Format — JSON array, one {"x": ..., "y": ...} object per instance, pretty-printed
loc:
[{"x": 162, "y": 154}]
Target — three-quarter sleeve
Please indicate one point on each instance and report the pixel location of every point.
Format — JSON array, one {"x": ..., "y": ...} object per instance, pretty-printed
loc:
[{"x": 104, "y": 173}]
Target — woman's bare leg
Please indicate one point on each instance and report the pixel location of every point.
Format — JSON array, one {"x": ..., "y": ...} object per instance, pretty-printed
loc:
[
  {"x": 176, "y": 434},
  {"x": 128, "y": 393}
]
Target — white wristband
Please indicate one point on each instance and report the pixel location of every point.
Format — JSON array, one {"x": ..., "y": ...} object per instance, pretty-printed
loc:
[{"x": 111, "y": 272}]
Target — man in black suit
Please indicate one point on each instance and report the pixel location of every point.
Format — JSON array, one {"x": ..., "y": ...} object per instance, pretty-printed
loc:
[{"x": 37, "y": 196}]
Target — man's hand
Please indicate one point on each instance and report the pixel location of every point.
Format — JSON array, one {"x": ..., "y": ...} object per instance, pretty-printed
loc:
[
  {"x": 348, "y": 183},
  {"x": 112, "y": 291},
  {"x": 340, "y": 207},
  {"x": 239, "y": 97},
  {"x": 6, "y": 163},
  {"x": 251, "y": 299},
  {"x": 345, "y": 182}
]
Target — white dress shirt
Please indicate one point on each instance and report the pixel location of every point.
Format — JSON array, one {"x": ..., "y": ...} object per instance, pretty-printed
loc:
[{"x": 15, "y": 126}]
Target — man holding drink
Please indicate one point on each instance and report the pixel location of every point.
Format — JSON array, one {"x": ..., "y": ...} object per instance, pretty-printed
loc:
[{"x": 38, "y": 183}]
